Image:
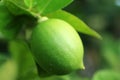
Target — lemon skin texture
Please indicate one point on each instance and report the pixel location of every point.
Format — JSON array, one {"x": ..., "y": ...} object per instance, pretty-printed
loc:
[{"x": 57, "y": 47}]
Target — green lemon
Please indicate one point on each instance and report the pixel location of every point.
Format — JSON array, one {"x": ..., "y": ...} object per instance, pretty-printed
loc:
[
  {"x": 57, "y": 47},
  {"x": 42, "y": 72}
]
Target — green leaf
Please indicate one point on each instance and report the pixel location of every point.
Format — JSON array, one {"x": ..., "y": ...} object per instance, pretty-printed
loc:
[
  {"x": 23, "y": 57},
  {"x": 29, "y": 3},
  {"x": 111, "y": 50},
  {"x": 17, "y": 7},
  {"x": 8, "y": 71},
  {"x": 35, "y": 7},
  {"x": 48, "y": 6},
  {"x": 3, "y": 59},
  {"x": 106, "y": 75},
  {"x": 11, "y": 30},
  {"x": 77, "y": 23},
  {"x": 5, "y": 16}
]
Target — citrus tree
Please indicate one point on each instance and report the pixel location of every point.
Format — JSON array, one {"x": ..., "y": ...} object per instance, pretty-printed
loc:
[{"x": 41, "y": 40}]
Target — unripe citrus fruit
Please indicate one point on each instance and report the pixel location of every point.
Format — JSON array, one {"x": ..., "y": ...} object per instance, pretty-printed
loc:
[
  {"x": 57, "y": 47},
  {"x": 42, "y": 72}
]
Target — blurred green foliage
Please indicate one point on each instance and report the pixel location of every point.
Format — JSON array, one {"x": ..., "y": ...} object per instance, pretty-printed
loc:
[
  {"x": 103, "y": 16},
  {"x": 106, "y": 75},
  {"x": 8, "y": 69},
  {"x": 101, "y": 57}
]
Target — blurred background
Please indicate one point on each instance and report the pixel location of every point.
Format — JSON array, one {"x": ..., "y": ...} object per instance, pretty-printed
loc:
[{"x": 101, "y": 57}]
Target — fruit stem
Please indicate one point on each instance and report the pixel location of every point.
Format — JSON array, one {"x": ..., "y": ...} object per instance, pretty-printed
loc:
[{"x": 39, "y": 17}]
